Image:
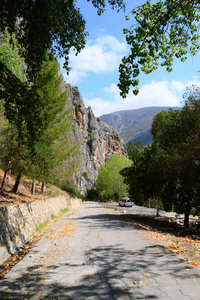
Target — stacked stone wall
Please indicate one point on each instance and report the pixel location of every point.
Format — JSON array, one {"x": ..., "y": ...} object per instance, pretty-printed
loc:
[{"x": 18, "y": 222}]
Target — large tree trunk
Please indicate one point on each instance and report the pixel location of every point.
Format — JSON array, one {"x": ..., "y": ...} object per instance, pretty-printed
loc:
[
  {"x": 158, "y": 207},
  {"x": 42, "y": 188},
  {"x": 15, "y": 188},
  {"x": 187, "y": 214},
  {"x": 33, "y": 187},
  {"x": 149, "y": 203},
  {"x": 4, "y": 177},
  {"x": 3, "y": 181}
]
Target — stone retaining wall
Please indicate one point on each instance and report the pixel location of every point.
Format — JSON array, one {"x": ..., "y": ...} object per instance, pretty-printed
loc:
[{"x": 18, "y": 222}]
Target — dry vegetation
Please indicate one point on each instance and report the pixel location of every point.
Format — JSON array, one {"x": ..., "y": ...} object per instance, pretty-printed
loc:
[{"x": 24, "y": 192}]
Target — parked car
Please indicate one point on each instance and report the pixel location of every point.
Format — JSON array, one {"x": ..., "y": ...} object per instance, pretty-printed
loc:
[{"x": 125, "y": 201}]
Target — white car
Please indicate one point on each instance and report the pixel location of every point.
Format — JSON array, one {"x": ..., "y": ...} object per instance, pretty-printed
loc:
[{"x": 125, "y": 201}]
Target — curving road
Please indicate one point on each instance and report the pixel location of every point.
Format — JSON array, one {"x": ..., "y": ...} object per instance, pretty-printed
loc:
[
  {"x": 140, "y": 210},
  {"x": 93, "y": 255}
]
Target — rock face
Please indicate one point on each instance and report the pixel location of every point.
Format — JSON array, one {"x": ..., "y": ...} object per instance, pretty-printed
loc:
[{"x": 98, "y": 140}]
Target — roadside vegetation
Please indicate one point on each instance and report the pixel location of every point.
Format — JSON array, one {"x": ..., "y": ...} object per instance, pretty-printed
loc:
[
  {"x": 110, "y": 183},
  {"x": 35, "y": 125},
  {"x": 168, "y": 170},
  {"x": 36, "y": 139}
]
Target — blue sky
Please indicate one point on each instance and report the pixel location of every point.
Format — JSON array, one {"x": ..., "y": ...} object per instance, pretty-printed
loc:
[{"x": 95, "y": 69}]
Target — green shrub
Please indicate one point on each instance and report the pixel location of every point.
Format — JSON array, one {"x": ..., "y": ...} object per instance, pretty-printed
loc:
[
  {"x": 39, "y": 227},
  {"x": 53, "y": 216},
  {"x": 80, "y": 196},
  {"x": 71, "y": 188},
  {"x": 93, "y": 194},
  {"x": 85, "y": 175},
  {"x": 64, "y": 210},
  {"x": 106, "y": 195}
]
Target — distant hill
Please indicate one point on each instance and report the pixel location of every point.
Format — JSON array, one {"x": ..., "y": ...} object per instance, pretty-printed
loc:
[{"x": 134, "y": 124}]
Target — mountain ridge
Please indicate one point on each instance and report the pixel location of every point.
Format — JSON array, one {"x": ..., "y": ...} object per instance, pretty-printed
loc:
[{"x": 135, "y": 123}]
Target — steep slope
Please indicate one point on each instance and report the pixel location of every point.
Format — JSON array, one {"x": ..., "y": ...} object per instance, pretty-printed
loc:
[
  {"x": 98, "y": 140},
  {"x": 134, "y": 124}
]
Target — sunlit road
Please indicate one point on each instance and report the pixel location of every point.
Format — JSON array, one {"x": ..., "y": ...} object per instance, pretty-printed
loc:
[
  {"x": 139, "y": 209},
  {"x": 93, "y": 255}
]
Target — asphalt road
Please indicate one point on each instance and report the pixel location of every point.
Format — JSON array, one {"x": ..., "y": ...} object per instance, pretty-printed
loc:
[
  {"x": 92, "y": 255},
  {"x": 140, "y": 209}
]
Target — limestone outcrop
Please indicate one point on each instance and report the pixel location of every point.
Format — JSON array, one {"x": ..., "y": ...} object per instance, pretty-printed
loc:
[{"x": 98, "y": 140}]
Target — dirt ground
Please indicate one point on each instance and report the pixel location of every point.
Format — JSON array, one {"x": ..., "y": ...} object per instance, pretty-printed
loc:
[
  {"x": 24, "y": 191},
  {"x": 24, "y": 195}
]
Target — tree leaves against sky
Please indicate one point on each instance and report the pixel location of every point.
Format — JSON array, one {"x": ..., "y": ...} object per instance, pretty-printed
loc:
[{"x": 163, "y": 30}]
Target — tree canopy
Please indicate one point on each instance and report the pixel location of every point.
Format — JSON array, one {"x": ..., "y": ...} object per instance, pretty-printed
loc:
[
  {"x": 48, "y": 24},
  {"x": 109, "y": 179},
  {"x": 168, "y": 170},
  {"x": 145, "y": 177},
  {"x": 164, "y": 29}
]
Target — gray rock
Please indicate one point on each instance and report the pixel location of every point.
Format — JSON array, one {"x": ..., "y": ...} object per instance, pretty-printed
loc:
[{"x": 98, "y": 140}]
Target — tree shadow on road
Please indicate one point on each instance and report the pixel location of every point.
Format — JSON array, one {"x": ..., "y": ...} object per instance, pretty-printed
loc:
[
  {"x": 108, "y": 273},
  {"x": 143, "y": 222}
]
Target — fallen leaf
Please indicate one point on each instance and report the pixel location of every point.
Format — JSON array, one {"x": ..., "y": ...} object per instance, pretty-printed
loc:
[{"x": 39, "y": 295}]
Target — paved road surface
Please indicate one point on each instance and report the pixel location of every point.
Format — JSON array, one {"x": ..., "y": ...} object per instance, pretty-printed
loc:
[
  {"x": 92, "y": 255},
  {"x": 135, "y": 209}
]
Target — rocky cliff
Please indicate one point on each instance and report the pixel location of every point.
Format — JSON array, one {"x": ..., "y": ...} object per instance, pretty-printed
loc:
[{"x": 98, "y": 140}]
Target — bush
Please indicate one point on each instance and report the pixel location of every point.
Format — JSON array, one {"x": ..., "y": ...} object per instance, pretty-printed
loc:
[
  {"x": 71, "y": 188},
  {"x": 106, "y": 195},
  {"x": 93, "y": 194}
]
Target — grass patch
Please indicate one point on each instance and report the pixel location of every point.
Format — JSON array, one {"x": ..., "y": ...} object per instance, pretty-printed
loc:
[
  {"x": 51, "y": 193},
  {"x": 64, "y": 210},
  {"x": 53, "y": 216},
  {"x": 39, "y": 227}
]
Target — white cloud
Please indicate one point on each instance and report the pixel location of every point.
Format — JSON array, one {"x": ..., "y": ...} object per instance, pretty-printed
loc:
[
  {"x": 181, "y": 86},
  {"x": 178, "y": 86},
  {"x": 154, "y": 94},
  {"x": 100, "y": 55}
]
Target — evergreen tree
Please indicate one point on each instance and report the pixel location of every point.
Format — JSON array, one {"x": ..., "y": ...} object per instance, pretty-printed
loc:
[{"x": 55, "y": 146}]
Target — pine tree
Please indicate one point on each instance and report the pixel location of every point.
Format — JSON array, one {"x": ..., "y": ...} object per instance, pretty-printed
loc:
[{"x": 55, "y": 145}]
